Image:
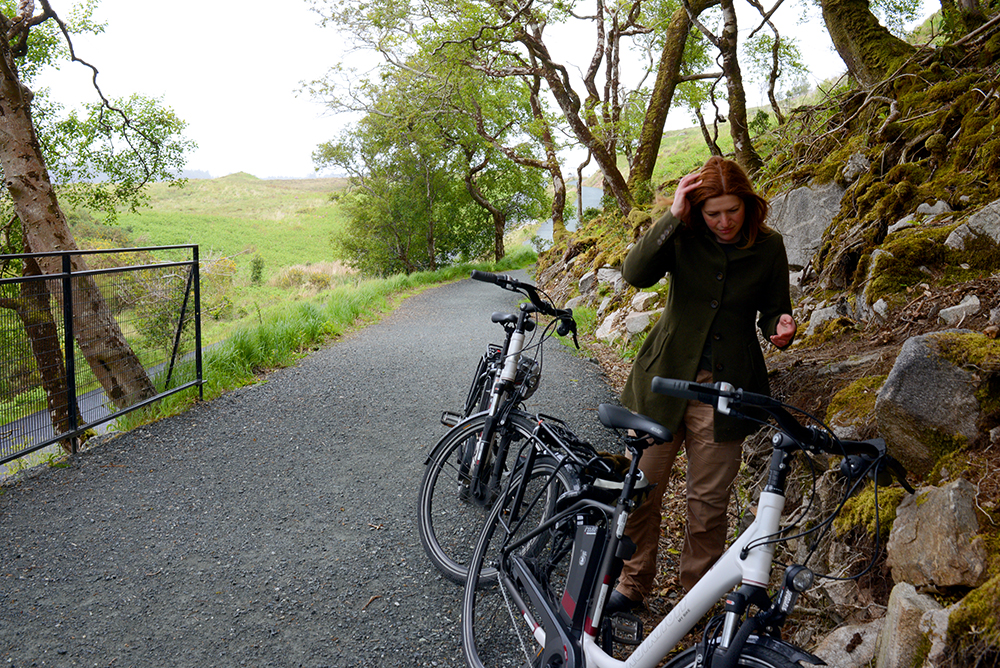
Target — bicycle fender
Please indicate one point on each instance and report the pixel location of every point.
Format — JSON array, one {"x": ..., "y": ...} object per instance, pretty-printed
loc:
[
  {"x": 460, "y": 427},
  {"x": 789, "y": 651}
]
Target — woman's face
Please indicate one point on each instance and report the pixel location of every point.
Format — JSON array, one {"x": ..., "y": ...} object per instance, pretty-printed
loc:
[{"x": 724, "y": 217}]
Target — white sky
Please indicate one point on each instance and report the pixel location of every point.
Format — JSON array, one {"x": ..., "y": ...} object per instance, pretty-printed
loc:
[{"x": 232, "y": 70}]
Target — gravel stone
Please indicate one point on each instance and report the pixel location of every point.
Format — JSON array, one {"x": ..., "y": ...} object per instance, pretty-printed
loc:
[{"x": 275, "y": 525}]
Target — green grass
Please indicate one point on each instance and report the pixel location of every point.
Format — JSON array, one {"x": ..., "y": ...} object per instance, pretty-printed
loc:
[{"x": 240, "y": 216}]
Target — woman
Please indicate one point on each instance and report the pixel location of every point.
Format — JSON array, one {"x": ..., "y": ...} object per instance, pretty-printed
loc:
[{"x": 725, "y": 267}]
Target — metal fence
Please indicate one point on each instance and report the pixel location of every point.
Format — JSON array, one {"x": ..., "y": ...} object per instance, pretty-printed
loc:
[{"x": 133, "y": 320}]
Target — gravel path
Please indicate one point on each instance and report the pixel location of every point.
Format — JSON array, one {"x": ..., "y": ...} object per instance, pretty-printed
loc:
[{"x": 274, "y": 526}]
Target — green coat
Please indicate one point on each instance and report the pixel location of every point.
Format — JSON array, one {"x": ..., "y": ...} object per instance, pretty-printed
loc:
[{"x": 712, "y": 294}]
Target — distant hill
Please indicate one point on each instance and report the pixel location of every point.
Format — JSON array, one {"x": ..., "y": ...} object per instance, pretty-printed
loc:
[{"x": 286, "y": 222}]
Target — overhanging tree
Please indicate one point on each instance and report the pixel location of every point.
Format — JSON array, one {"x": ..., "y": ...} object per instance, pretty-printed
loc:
[{"x": 28, "y": 42}]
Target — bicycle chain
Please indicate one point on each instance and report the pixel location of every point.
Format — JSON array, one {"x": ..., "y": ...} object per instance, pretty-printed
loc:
[{"x": 513, "y": 621}]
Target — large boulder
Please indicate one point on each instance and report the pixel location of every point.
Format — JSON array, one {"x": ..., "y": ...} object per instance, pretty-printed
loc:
[
  {"x": 801, "y": 216},
  {"x": 927, "y": 406},
  {"x": 935, "y": 542},
  {"x": 901, "y": 642}
]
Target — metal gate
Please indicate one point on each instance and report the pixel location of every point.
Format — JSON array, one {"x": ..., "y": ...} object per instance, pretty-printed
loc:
[{"x": 68, "y": 339}]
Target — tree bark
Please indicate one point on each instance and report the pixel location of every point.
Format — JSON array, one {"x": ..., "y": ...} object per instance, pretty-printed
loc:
[
  {"x": 33, "y": 309},
  {"x": 739, "y": 128},
  {"x": 558, "y": 80},
  {"x": 496, "y": 215},
  {"x": 869, "y": 50},
  {"x": 660, "y": 100},
  {"x": 26, "y": 178}
]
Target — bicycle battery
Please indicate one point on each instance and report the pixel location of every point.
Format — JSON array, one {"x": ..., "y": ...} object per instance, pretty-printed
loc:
[{"x": 588, "y": 548}]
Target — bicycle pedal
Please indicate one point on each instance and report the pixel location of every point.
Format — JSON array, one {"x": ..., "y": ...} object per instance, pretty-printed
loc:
[
  {"x": 626, "y": 628},
  {"x": 450, "y": 419}
]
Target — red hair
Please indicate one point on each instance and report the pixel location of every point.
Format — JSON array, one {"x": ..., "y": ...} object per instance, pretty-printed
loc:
[{"x": 725, "y": 177}]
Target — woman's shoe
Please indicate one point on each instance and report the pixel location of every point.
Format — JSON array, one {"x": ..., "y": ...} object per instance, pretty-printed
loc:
[{"x": 619, "y": 602}]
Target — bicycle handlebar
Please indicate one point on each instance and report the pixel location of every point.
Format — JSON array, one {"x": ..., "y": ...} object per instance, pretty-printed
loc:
[
  {"x": 728, "y": 400},
  {"x": 566, "y": 325}
]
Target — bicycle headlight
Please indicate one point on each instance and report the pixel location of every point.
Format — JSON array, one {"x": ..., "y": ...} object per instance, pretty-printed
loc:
[
  {"x": 799, "y": 578},
  {"x": 529, "y": 375}
]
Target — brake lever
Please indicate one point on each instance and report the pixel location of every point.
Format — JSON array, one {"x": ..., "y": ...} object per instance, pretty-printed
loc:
[{"x": 897, "y": 470}]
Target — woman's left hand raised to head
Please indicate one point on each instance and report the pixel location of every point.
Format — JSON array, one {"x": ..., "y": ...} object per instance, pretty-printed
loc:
[{"x": 785, "y": 331}]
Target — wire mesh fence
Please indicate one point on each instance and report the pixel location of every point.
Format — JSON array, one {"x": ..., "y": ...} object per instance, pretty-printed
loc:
[{"x": 132, "y": 320}]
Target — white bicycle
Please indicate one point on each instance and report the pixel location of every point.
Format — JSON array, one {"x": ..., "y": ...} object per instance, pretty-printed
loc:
[{"x": 539, "y": 577}]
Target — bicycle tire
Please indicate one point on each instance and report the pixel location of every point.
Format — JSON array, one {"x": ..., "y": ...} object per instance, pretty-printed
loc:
[
  {"x": 752, "y": 656},
  {"x": 494, "y": 633},
  {"x": 447, "y": 523}
]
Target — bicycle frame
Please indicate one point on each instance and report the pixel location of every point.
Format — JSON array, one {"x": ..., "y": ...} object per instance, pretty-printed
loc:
[{"x": 730, "y": 570}]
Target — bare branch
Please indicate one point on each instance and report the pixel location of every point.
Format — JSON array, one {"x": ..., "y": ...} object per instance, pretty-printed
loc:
[
  {"x": 693, "y": 17},
  {"x": 48, "y": 13}
]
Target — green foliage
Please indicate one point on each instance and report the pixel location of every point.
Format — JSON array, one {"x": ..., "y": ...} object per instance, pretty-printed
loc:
[
  {"x": 105, "y": 157},
  {"x": 106, "y": 153},
  {"x": 590, "y": 213},
  {"x": 426, "y": 188},
  {"x": 256, "y": 270},
  {"x": 758, "y": 57}
]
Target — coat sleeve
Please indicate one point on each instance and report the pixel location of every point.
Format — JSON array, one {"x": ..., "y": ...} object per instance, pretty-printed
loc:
[
  {"x": 652, "y": 256},
  {"x": 776, "y": 299}
]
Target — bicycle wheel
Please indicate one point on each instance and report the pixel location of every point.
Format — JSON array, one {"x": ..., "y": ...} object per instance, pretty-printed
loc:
[
  {"x": 494, "y": 632},
  {"x": 753, "y": 656},
  {"x": 448, "y": 519}
]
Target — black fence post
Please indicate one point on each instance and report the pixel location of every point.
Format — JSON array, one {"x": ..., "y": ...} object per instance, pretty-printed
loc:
[
  {"x": 197, "y": 322},
  {"x": 67, "y": 286}
]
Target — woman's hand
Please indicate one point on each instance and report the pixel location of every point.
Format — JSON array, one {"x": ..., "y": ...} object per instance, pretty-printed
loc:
[
  {"x": 681, "y": 207},
  {"x": 785, "y": 331}
]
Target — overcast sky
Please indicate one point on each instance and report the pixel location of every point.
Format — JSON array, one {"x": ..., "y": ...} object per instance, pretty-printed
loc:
[{"x": 232, "y": 69}]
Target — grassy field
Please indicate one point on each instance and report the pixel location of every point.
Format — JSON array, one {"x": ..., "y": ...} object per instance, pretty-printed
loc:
[{"x": 238, "y": 216}]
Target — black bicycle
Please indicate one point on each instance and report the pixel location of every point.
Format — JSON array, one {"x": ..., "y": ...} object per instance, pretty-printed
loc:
[{"x": 467, "y": 467}]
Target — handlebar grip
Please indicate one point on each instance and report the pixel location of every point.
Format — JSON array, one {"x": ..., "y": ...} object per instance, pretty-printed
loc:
[
  {"x": 485, "y": 276},
  {"x": 683, "y": 389},
  {"x": 755, "y": 399}
]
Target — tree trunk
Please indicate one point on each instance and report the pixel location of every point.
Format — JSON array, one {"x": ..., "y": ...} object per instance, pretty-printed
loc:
[
  {"x": 746, "y": 156},
  {"x": 429, "y": 194},
  {"x": 496, "y": 215},
  {"x": 33, "y": 309},
  {"x": 662, "y": 96},
  {"x": 559, "y": 83},
  {"x": 101, "y": 341},
  {"x": 869, "y": 50},
  {"x": 552, "y": 163}
]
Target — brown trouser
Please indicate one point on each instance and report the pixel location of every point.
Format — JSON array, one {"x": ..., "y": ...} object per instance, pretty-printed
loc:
[{"x": 711, "y": 469}]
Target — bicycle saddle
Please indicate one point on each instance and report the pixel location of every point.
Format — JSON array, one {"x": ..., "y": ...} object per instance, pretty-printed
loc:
[{"x": 616, "y": 417}]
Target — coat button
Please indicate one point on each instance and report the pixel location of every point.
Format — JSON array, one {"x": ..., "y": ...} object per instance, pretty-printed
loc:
[
  {"x": 719, "y": 367},
  {"x": 718, "y": 276},
  {"x": 715, "y": 303},
  {"x": 716, "y": 337}
]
